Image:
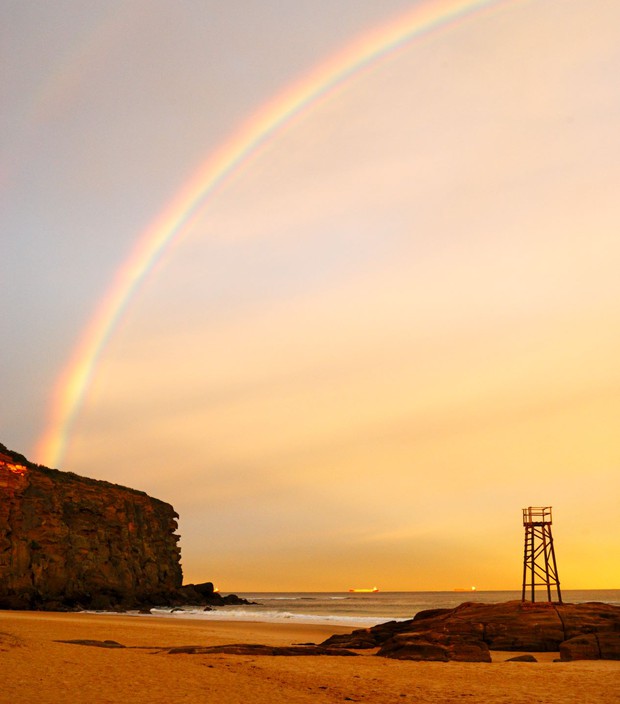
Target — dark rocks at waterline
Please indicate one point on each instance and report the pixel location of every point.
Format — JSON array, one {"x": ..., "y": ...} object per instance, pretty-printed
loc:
[
  {"x": 200, "y": 594},
  {"x": 204, "y": 594},
  {"x": 470, "y": 629}
]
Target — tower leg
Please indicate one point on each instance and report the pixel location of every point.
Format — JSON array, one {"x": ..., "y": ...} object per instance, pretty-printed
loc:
[
  {"x": 524, "y": 567},
  {"x": 533, "y": 563},
  {"x": 546, "y": 529},
  {"x": 555, "y": 572}
]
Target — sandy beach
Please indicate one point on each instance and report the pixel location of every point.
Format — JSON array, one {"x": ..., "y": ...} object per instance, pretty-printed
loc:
[{"x": 37, "y": 668}]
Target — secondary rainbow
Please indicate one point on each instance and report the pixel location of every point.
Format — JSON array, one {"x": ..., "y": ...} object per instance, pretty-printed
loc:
[{"x": 264, "y": 124}]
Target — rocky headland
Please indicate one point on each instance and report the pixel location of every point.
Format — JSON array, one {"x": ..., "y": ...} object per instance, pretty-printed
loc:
[{"x": 68, "y": 542}]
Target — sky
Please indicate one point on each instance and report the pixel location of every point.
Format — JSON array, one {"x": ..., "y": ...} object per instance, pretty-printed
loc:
[{"x": 392, "y": 324}]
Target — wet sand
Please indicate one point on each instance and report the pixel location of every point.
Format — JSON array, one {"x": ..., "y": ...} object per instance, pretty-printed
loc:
[{"x": 36, "y": 668}]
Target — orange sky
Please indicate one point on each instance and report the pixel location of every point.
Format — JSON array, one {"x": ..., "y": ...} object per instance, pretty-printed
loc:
[{"x": 394, "y": 328}]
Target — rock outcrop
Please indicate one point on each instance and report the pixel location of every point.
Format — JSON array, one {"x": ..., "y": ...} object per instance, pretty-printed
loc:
[
  {"x": 593, "y": 646},
  {"x": 68, "y": 541},
  {"x": 469, "y": 631},
  {"x": 435, "y": 646},
  {"x": 204, "y": 594}
]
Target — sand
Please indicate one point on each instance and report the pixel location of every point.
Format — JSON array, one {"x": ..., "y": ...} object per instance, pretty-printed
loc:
[{"x": 36, "y": 668}]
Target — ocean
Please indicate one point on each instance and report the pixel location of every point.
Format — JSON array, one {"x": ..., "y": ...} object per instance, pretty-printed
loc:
[{"x": 359, "y": 610}]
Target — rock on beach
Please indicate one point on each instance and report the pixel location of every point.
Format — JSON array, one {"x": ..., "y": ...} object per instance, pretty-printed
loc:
[{"x": 469, "y": 631}]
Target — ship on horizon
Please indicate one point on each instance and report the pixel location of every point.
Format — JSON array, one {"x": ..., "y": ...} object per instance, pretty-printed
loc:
[{"x": 369, "y": 590}]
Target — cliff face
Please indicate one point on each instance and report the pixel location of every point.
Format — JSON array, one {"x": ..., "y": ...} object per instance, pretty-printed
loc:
[{"x": 67, "y": 540}]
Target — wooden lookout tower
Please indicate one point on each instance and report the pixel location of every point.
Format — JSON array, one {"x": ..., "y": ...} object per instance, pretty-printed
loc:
[{"x": 539, "y": 566}]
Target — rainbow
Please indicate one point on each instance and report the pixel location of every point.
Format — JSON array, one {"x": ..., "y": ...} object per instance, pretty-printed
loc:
[{"x": 73, "y": 382}]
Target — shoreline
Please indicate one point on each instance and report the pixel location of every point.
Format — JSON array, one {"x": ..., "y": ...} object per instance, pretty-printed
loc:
[{"x": 36, "y": 667}]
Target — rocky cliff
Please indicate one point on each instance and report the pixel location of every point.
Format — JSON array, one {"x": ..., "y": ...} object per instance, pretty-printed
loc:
[{"x": 67, "y": 541}]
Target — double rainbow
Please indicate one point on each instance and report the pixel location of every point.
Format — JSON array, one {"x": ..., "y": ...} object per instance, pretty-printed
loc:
[{"x": 264, "y": 124}]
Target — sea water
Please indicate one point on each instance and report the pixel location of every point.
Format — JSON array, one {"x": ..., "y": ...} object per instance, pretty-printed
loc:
[{"x": 361, "y": 609}]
